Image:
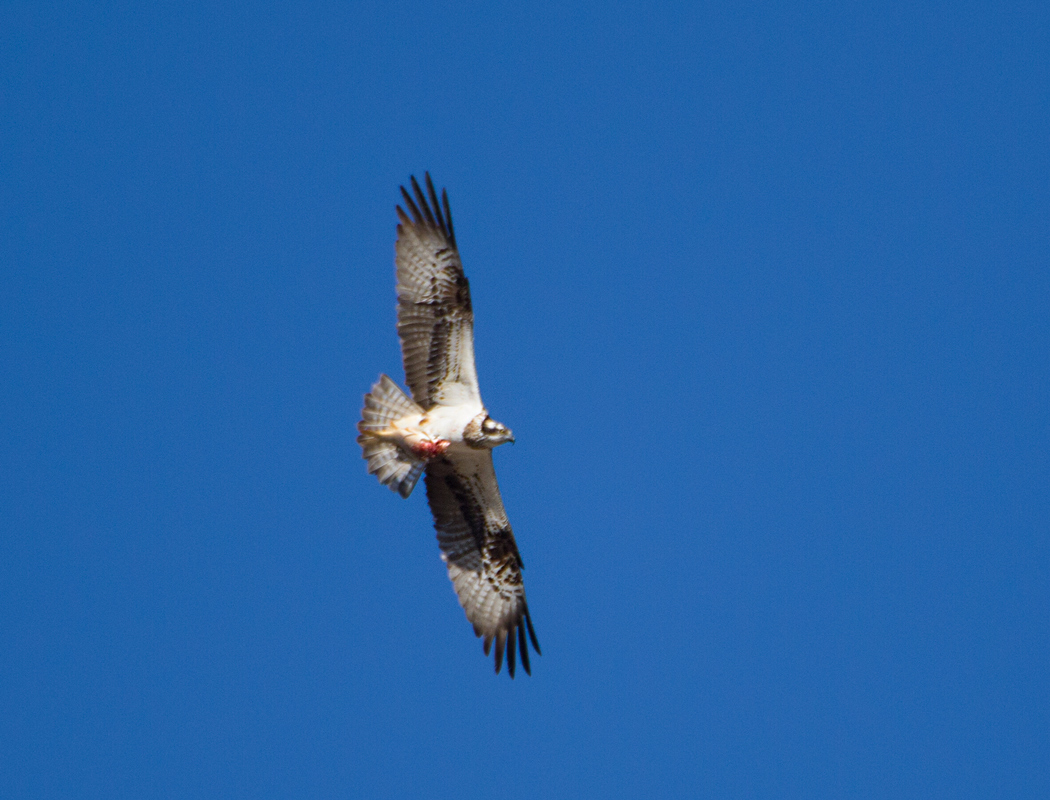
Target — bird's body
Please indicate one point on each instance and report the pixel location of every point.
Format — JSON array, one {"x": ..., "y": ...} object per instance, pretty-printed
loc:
[
  {"x": 449, "y": 422},
  {"x": 445, "y": 431},
  {"x": 437, "y": 430}
]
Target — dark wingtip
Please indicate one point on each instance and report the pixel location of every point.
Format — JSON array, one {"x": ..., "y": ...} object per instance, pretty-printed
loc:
[
  {"x": 448, "y": 218},
  {"x": 511, "y": 658},
  {"x": 428, "y": 210},
  {"x": 532, "y": 634},
  {"x": 418, "y": 217},
  {"x": 523, "y": 648},
  {"x": 515, "y": 644},
  {"x": 423, "y": 204},
  {"x": 501, "y": 641},
  {"x": 443, "y": 223}
]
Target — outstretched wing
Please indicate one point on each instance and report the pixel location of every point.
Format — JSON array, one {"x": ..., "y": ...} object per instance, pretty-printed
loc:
[
  {"x": 434, "y": 316},
  {"x": 478, "y": 547}
]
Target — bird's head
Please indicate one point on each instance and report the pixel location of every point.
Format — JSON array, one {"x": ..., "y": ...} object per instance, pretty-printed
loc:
[{"x": 483, "y": 431}]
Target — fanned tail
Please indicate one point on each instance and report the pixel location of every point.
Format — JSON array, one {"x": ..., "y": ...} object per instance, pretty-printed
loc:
[{"x": 393, "y": 466}]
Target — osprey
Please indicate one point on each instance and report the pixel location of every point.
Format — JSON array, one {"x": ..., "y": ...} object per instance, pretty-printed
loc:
[{"x": 445, "y": 431}]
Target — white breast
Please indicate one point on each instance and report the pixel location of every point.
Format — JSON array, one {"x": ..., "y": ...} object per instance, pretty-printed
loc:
[{"x": 448, "y": 422}]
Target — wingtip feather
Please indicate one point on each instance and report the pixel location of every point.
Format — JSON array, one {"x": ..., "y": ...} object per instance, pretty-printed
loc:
[
  {"x": 448, "y": 218},
  {"x": 411, "y": 205},
  {"x": 422, "y": 200},
  {"x": 501, "y": 641},
  {"x": 434, "y": 202},
  {"x": 511, "y": 659},
  {"x": 426, "y": 208},
  {"x": 523, "y": 648},
  {"x": 532, "y": 633}
]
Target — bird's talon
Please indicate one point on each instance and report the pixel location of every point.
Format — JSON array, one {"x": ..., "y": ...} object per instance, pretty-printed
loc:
[{"x": 429, "y": 448}]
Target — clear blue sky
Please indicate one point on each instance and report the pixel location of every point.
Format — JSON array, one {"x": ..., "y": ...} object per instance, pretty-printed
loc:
[{"x": 762, "y": 290}]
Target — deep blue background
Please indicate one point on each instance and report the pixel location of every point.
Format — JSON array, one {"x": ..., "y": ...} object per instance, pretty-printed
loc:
[{"x": 762, "y": 290}]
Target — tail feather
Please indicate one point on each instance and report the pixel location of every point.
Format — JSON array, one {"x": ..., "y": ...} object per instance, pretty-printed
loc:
[
  {"x": 385, "y": 403},
  {"x": 393, "y": 466}
]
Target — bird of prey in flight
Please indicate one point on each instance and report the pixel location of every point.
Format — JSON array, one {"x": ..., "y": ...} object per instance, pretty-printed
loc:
[{"x": 444, "y": 430}]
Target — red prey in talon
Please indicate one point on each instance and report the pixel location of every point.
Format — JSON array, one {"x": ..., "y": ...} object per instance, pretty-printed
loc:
[{"x": 428, "y": 448}]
